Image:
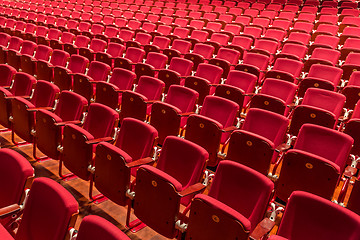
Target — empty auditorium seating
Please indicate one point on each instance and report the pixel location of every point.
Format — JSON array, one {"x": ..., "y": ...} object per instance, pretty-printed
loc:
[{"x": 224, "y": 212}]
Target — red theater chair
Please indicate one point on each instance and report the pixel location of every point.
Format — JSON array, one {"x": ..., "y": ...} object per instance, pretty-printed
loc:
[
  {"x": 24, "y": 110},
  {"x": 170, "y": 116},
  {"x": 174, "y": 181},
  {"x": 319, "y": 214},
  {"x": 116, "y": 164},
  {"x": 225, "y": 213},
  {"x": 98, "y": 126},
  {"x": 49, "y": 125},
  {"x": 258, "y": 142},
  {"x": 56, "y": 211},
  {"x": 316, "y": 162}
]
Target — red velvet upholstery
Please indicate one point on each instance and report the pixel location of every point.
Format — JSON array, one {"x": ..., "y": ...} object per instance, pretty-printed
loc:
[
  {"x": 206, "y": 74},
  {"x": 94, "y": 227},
  {"x": 320, "y": 217},
  {"x": 178, "y": 68},
  {"x": 23, "y": 84},
  {"x": 206, "y": 128},
  {"x": 320, "y": 107},
  {"x": 238, "y": 83},
  {"x": 134, "y": 104},
  {"x": 28, "y": 62},
  {"x": 7, "y": 75},
  {"x": 232, "y": 209},
  {"x": 166, "y": 116},
  {"x": 180, "y": 165},
  {"x": 285, "y": 69},
  {"x": 254, "y": 63},
  {"x": 99, "y": 123},
  {"x": 27, "y": 48},
  {"x": 23, "y": 117},
  {"x": 49, "y": 136},
  {"x": 133, "y": 55},
  {"x": 108, "y": 93},
  {"x": 48, "y": 211},
  {"x": 15, "y": 171},
  {"x": 85, "y": 85},
  {"x": 44, "y": 69},
  {"x": 254, "y": 145},
  {"x": 135, "y": 141},
  {"x": 62, "y": 78},
  {"x": 225, "y": 59},
  {"x": 154, "y": 61},
  {"x": 316, "y": 162},
  {"x": 276, "y": 95}
]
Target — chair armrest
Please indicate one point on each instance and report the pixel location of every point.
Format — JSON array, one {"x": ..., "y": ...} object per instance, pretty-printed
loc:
[
  {"x": 120, "y": 91},
  {"x": 249, "y": 94},
  {"x": 97, "y": 140},
  {"x": 9, "y": 210},
  {"x": 76, "y": 122},
  {"x": 186, "y": 114},
  {"x": 152, "y": 101},
  {"x": 229, "y": 129},
  {"x": 140, "y": 162},
  {"x": 12, "y": 97},
  {"x": 36, "y": 109},
  {"x": 263, "y": 228},
  {"x": 192, "y": 189}
]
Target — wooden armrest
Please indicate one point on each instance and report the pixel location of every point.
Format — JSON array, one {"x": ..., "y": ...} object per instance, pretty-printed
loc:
[
  {"x": 12, "y": 97},
  {"x": 282, "y": 147},
  {"x": 120, "y": 91},
  {"x": 263, "y": 228},
  {"x": 9, "y": 210},
  {"x": 249, "y": 94},
  {"x": 186, "y": 114},
  {"x": 192, "y": 189},
  {"x": 151, "y": 101},
  {"x": 140, "y": 162},
  {"x": 97, "y": 140},
  {"x": 229, "y": 129},
  {"x": 36, "y": 109},
  {"x": 76, "y": 122}
]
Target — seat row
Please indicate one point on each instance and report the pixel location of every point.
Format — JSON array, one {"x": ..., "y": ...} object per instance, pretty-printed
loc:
[
  {"x": 228, "y": 215},
  {"x": 216, "y": 6}
]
